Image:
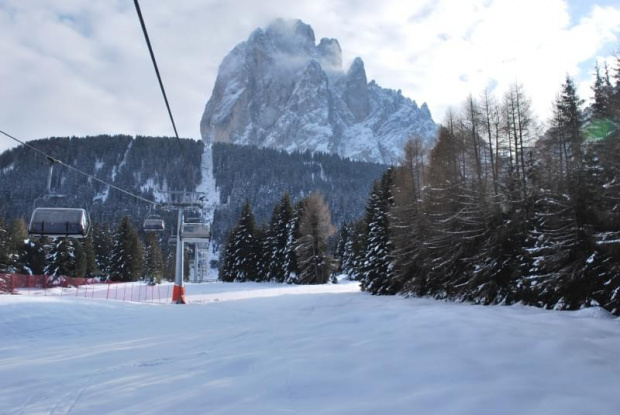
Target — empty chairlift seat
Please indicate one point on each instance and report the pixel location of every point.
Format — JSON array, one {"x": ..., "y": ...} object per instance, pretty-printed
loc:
[
  {"x": 59, "y": 222},
  {"x": 154, "y": 225},
  {"x": 195, "y": 232}
]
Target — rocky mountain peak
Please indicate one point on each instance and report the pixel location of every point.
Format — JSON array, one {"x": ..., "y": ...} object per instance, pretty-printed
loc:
[
  {"x": 280, "y": 89},
  {"x": 356, "y": 91},
  {"x": 330, "y": 54},
  {"x": 291, "y": 36}
]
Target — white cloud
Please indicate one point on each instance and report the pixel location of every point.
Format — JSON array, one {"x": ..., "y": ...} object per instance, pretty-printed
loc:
[{"x": 72, "y": 67}]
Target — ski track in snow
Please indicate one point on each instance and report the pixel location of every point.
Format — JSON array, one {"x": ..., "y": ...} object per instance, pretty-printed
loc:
[
  {"x": 283, "y": 349},
  {"x": 207, "y": 185}
]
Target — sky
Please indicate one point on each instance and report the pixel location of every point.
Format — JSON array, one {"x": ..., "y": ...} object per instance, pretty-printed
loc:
[{"x": 75, "y": 67}]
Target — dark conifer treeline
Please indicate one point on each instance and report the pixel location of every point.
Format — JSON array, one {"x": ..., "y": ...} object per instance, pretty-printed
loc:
[
  {"x": 138, "y": 164},
  {"x": 142, "y": 164},
  {"x": 498, "y": 213},
  {"x": 291, "y": 248},
  {"x": 262, "y": 175},
  {"x": 121, "y": 254}
]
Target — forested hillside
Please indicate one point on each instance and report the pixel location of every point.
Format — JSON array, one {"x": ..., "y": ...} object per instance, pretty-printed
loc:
[
  {"x": 262, "y": 176},
  {"x": 144, "y": 165},
  {"x": 140, "y": 165}
]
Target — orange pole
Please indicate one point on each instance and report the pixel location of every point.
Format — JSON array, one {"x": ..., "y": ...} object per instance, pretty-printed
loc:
[{"x": 178, "y": 295}]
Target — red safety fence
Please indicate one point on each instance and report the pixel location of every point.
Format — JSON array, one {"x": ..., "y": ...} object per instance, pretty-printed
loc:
[
  {"x": 9, "y": 283},
  {"x": 83, "y": 287}
]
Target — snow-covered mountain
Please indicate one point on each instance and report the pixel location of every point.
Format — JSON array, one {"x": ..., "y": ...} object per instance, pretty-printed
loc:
[{"x": 281, "y": 89}]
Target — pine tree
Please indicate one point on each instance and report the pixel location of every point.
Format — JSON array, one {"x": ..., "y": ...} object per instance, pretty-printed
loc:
[
  {"x": 33, "y": 256},
  {"x": 342, "y": 249},
  {"x": 19, "y": 234},
  {"x": 81, "y": 260},
  {"x": 65, "y": 259},
  {"x": 103, "y": 242},
  {"x": 315, "y": 227},
  {"x": 18, "y": 238},
  {"x": 277, "y": 238},
  {"x": 260, "y": 255},
  {"x": 5, "y": 248},
  {"x": 571, "y": 121},
  {"x": 226, "y": 271},
  {"x": 242, "y": 253},
  {"x": 127, "y": 253},
  {"x": 291, "y": 263},
  {"x": 358, "y": 248},
  {"x": 601, "y": 107},
  {"x": 91, "y": 268},
  {"x": 377, "y": 269},
  {"x": 153, "y": 259}
]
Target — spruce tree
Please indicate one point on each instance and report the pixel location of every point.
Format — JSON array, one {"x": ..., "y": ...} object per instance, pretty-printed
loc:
[
  {"x": 571, "y": 117},
  {"x": 33, "y": 256},
  {"x": 601, "y": 107},
  {"x": 127, "y": 253},
  {"x": 153, "y": 259},
  {"x": 227, "y": 260},
  {"x": 91, "y": 268},
  {"x": 19, "y": 234},
  {"x": 103, "y": 242},
  {"x": 378, "y": 259},
  {"x": 17, "y": 239},
  {"x": 244, "y": 242},
  {"x": 5, "y": 247},
  {"x": 342, "y": 250},
  {"x": 277, "y": 238},
  {"x": 358, "y": 244},
  {"x": 261, "y": 254},
  {"x": 65, "y": 259},
  {"x": 291, "y": 263}
]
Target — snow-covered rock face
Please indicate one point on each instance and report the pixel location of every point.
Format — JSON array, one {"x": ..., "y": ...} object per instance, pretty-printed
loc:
[{"x": 280, "y": 89}]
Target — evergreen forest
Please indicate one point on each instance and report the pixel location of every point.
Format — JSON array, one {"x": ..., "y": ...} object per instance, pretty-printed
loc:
[{"x": 501, "y": 210}]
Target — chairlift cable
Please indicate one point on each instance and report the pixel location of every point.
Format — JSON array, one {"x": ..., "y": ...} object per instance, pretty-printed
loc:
[
  {"x": 161, "y": 84},
  {"x": 60, "y": 162}
]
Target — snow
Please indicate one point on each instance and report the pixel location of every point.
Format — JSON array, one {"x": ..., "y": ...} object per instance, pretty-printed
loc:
[
  {"x": 159, "y": 192},
  {"x": 103, "y": 195},
  {"x": 282, "y": 349},
  {"x": 207, "y": 184},
  {"x": 123, "y": 162},
  {"x": 8, "y": 168},
  {"x": 212, "y": 201}
]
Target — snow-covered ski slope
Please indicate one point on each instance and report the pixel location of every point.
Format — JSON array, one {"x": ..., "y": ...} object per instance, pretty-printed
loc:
[{"x": 274, "y": 349}]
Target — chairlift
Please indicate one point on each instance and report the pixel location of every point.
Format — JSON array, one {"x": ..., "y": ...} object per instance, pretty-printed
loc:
[
  {"x": 172, "y": 240},
  {"x": 195, "y": 232},
  {"x": 57, "y": 222},
  {"x": 154, "y": 223}
]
